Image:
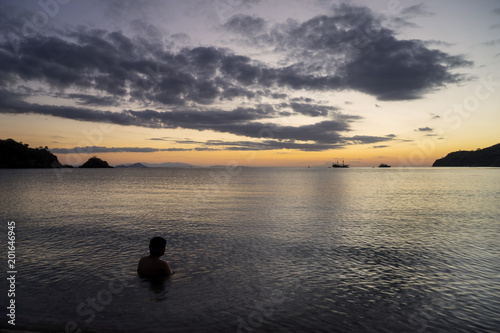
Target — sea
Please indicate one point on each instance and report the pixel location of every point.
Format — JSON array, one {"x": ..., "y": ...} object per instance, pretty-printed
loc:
[{"x": 253, "y": 249}]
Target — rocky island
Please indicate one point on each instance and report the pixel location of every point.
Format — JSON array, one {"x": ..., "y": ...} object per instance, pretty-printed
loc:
[
  {"x": 95, "y": 162},
  {"x": 15, "y": 155},
  {"x": 487, "y": 157}
]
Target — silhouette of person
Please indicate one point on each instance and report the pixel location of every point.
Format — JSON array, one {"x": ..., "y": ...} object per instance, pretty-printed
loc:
[{"x": 152, "y": 265}]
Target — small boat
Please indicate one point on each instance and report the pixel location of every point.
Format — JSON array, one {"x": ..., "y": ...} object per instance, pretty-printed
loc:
[
  {"x": 383, "y": 165},
  {"x": 338, "y": 165}
]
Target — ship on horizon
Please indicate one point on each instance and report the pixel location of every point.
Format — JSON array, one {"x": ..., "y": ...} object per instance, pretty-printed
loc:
[{"x": 338, "y": 165}]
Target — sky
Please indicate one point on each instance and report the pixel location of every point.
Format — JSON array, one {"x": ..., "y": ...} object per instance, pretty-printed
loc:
[{"x": 256, "y": 82}]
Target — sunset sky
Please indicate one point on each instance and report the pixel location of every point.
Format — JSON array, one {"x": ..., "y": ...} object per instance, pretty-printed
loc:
[{"x": 258, "y": 83}]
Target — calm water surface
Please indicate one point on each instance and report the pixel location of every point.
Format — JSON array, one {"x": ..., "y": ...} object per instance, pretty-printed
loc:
[{"x": 256, "y": 249}]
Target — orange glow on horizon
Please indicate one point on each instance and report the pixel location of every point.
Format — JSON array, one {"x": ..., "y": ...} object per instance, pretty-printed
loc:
[{"x": 355, "y": 157}]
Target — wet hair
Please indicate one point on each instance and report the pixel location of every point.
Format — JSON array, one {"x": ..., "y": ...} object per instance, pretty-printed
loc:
[{"x": 157, "y": 245}]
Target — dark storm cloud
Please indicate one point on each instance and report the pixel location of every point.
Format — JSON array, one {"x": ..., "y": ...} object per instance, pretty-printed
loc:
[
  {"x": 240, "y": 121},
  {"x": 399, "y": 70},
  {"x": 277, "y": 145},
  {"x": 291, "y": 144},
  {"x": 90, "y": 61},
  {"x": 114, "y": 64},
  {"x": 84, "y": 99},
  {"x": 325, "y": 53},
  {"x": 349, "y": 50},
  {"x": 207, "y": 146},
  {"x": 270, "y": 145},
  {"x": 11, "y": 103},
  {"x": 352, "y": 50}
]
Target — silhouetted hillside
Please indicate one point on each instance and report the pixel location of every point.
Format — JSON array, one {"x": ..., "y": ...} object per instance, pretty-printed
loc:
[
  {"x": 487, "y": 157},
  {"x": 15, "y": 154},
  {"x": 95, "y": 162}
]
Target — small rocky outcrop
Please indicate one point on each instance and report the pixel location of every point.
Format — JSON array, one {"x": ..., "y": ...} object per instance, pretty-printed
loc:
[{"x": 95, "y": 162}]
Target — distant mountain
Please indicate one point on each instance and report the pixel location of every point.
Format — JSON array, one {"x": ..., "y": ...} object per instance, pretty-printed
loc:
[
  {"x": 95, "y": 162},
  {"x": 135, "y": 165},
  {"x": 487, "y": 157},
  {"x": 168, "y": 165},
  {"x": 15, "y": 154}
]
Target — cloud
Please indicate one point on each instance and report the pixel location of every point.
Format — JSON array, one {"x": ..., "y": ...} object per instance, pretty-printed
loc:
[
  {"x": 424, "y": 129},
  {"x": 363, "y": 139},
  {"x": 401, "y": 70},
  {"x": 245, "y": 24},
  {"x": 159, "y": 139},
  {"x": 380, "y": 146},
  {"x": 273, "y": 145},
  {"x": 84, "y": 99},
  {"x": 437, "y": 43},
  {"x": 291, "y": 144},
  {"x": 351, "y": 50},
  {"x": 98, "y": 149},
  {"x": 312, "y": 110},
  {"x": 496, "y": 11},
  {"x": 325, "y": 53},
  {"x": 240, "y": 121},
  {"x": 146, "y": 118},
  {"x": 492, "y": 42},
  {"x": 403, "y": 19},
  {"x": 416, "y": 10},
  {"x": 218, "y": 145},
  {"x": 302, "y": 99},
  {"x": 205, "y": 149},
  {"x": 169, "y": 86}
]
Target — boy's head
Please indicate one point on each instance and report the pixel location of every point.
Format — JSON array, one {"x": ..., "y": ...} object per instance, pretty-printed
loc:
[{"x": 157, "y": 246}]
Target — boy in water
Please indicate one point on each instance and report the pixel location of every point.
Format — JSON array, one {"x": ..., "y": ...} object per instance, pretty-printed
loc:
[{"x": 152, "y": 265}]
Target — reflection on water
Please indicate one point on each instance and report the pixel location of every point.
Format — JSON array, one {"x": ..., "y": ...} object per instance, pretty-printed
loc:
[
  {"x": 158, "y": 286},
  {"x": 355, "y": 250}
]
